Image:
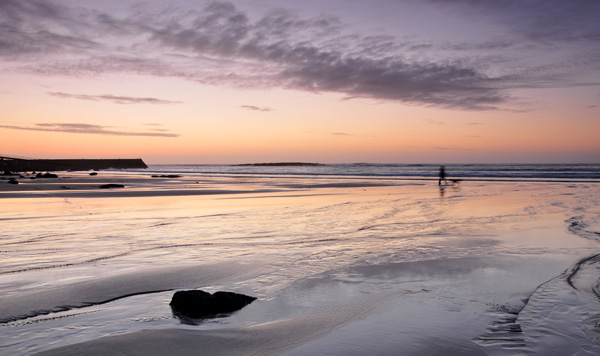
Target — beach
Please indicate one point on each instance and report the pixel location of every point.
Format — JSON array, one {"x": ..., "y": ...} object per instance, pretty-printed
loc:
[{"x": 347, "y": 265}]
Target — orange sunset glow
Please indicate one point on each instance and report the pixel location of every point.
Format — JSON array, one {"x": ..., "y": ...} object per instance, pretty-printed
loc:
[{"x": 283, "y": 81}]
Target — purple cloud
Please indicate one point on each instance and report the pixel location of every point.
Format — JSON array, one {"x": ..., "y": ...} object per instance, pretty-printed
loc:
[
  {"x": 113, "y": 98},
  {"x": 255, "y": 108},
  {"x": 78, "y": 128},
  {"x": 221, "y": 44}
]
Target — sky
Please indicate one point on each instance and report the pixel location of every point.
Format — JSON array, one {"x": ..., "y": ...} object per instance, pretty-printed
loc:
[{"x": 328, "y": 81}]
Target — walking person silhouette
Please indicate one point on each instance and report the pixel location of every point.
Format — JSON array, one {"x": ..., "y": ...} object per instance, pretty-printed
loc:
[{"x": 442, "y": 175}]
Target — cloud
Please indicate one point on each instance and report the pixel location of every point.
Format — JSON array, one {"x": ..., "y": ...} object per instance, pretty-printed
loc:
[
  {"x": 536, "y": 43},
  {"x": 544, "y": 22},
  {"x": 85, "y": 129},
  {"x": 255, "y": 108},
  {"x": 329, "y": 133},
  {"x": 40, "y": 27},
  {"x": 98, "y": 65},
  {"x": 354, "y": 66},
  {"x": 155, "y": 127},
  {"x": 113, "y": 98},
  {"x": 221, "y": 44},
  {"x": 495, "y": 44}
]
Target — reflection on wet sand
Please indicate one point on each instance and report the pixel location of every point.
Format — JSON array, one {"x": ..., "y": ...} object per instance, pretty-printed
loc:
[{"x": 342, "y": 266}]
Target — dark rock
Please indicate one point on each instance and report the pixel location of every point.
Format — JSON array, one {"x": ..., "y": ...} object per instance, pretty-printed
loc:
[
  {"x": 111, "y": 185},
  {"x": 13, "y": 181},
  {"x": 167, "y": 176},
  {"x": 9, "y": 173},
  {"x": 94, "y": 173},
  {"x": 200, "y": 304},
  {"x": 46, "y": 175}
]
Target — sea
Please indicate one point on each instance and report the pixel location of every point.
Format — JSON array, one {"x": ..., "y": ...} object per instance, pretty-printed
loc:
[
  {"x": 564, "y": 172},
  {"x": 378, "y": 259}
]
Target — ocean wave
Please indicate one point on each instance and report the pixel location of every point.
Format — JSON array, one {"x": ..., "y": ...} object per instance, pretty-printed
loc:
[{"x": 374, "y": 170}]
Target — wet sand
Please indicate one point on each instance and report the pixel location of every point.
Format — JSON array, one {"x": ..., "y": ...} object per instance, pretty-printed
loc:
[{"x": 348, "y": 267}]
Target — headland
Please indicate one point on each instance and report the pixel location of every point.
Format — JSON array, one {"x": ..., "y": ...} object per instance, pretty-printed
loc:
[{"x": 23, "y": 165}]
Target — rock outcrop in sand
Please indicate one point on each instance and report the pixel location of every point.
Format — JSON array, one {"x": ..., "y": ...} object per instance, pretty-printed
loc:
[
  {"x": 200, "y": 304},
  {"x": 46, "y": 175},
  {"x": 111, "y": 186}
]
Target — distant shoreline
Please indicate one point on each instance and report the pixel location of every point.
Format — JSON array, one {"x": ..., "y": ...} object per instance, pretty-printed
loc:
[{"x": 282, "y": 164}]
